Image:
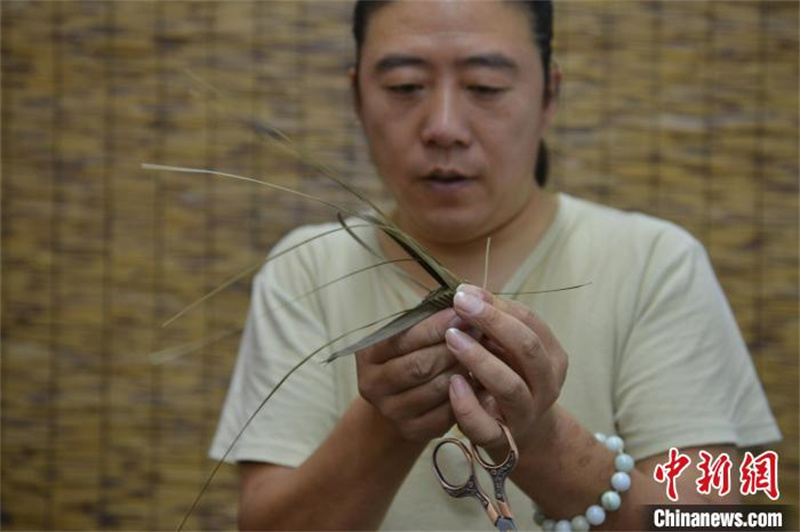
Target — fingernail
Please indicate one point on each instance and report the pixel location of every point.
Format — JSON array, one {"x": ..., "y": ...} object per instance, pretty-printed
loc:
[
  {"x": 467, "y": 302},
  {"x": 470, "y": 289},
  {"x": 459, "y": 385},
  {"x": 456, "y": 339}
]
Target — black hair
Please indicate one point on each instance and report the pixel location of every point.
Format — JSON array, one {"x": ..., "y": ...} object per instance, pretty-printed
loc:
[{"x": 541, "y": 23}]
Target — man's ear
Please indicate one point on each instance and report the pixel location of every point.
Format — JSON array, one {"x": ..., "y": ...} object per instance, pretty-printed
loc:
[
  {"x": 355, "y": 94},
  {"x": 553, "y": 90}
]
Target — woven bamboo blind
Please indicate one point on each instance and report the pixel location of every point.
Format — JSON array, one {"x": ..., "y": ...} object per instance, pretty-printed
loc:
[{"x": 685, "y": 110}]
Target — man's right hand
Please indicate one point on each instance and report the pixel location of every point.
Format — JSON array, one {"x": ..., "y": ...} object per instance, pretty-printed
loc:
[{"x": 407, "y": 377}]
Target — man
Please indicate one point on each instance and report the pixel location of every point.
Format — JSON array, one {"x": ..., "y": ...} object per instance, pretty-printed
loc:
[{"x": 454, "y": 99}]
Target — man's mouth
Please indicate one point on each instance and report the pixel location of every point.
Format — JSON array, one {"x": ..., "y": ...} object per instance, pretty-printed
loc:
[{"x": 446, "y": 178}]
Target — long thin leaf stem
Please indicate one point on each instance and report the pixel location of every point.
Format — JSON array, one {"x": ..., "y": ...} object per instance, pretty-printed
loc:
[
  {"x": 366, "y": 246},
  {"x": 263, "y": 403},
  {"x": 173, "y": 353},
  {"x": 486, "y": 262},
  {"x": 326, "y": 284},
  {"x": 270, "y": 132},
  {"x": 249, "y": 270},
  {"x": 549, "y": 291},
  {"x": 207, "y": 171}
]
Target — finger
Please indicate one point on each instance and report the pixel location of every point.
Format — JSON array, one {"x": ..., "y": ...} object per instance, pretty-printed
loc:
[
  {"x": 504, "y": 384},
  {"x": 488, "y": 403},
  {"x": 516, "y": 309},
  {"x": 518, "y": 342},
  {"x": 475, "y": 422},
  {"x": 431, "y": 424},
  {"x": 556, "y": 355},
  {"x": 418, "y": 400},
  {"x": 429, "y": 331},
  {"x": 417, "y": 368}
]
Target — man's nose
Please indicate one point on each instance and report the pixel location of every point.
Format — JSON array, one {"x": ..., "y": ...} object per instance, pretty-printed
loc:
[{"x": 446, "y": 123}]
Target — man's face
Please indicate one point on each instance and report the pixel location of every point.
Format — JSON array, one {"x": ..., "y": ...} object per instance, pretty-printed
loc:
[{"x": 450, "y": 95}]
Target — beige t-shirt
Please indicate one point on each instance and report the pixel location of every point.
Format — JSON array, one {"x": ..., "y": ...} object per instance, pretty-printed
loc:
[{"x": 655, "y": 353}]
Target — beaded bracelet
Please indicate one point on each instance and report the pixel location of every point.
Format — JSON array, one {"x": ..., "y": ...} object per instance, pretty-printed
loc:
[{"x": 610, "y": 500}]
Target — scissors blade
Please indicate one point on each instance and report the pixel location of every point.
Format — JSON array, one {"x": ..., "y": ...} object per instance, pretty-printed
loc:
[{"x": 505, "y": 524}]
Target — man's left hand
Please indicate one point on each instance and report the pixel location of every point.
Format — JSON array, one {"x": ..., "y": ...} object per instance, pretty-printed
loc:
[{"x": 518, "y": 361}]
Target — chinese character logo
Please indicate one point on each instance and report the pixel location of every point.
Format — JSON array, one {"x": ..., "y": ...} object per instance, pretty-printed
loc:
[
  {"x": 756, "y": 473},
  {"x": 715, "y": 474},
  {"x": 760, "y": 473},
  {"x": 670, "y": 471}
]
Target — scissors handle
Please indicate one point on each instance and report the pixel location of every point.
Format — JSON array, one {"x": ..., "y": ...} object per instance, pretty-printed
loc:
[
  {"x": 470, "y": 487},
  {"x": 499, "y": 472},
  {"x": 501, "y": 517}
]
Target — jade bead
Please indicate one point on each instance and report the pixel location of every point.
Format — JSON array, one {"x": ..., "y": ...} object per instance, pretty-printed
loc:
[
  {"x": 611, "y": 500},
  {"x": 624, "y": 462},
  {"x": 621, "y": 481},
  {"x": 615, "y": 444},
  {"x": 580, "y": 524},
  {"x": 595, "y": 515},
  {"x": 563, "y": 526}
]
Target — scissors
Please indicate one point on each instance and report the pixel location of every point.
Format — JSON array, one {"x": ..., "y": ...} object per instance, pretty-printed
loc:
[{"x": 500, "y": 516}]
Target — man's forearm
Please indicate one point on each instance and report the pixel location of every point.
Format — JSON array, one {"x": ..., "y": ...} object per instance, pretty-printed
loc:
[
  {"x": 347, "y": 484},
  {"x": 569, "y": 471}
]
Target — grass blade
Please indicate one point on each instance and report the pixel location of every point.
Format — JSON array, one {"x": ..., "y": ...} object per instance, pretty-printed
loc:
[
  {"x": 261, "y": 406},
  {"x": 249, "y": 270}
]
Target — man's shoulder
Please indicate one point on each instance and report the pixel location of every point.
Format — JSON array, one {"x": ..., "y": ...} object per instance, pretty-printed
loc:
[{"x": 613, "y": 225}]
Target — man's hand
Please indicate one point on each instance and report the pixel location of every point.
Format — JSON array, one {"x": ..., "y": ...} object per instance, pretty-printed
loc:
[
  {"x": 519, "y": 362},
  {"x": 407, "y": 377}
]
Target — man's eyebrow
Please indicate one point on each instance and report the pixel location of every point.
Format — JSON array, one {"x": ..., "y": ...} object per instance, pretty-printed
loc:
[
  {"x": 495, "y": 61},
  {"x": 393, "y": 61}
]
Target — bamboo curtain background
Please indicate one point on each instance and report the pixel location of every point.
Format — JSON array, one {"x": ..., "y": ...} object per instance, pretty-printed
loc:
[{"x": 686, "y": 110}]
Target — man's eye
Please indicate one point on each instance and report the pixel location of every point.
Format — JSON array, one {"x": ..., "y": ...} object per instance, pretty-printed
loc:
[
  {"x": 486, "y": 90},
  {"x": 405, "y": 88}
]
